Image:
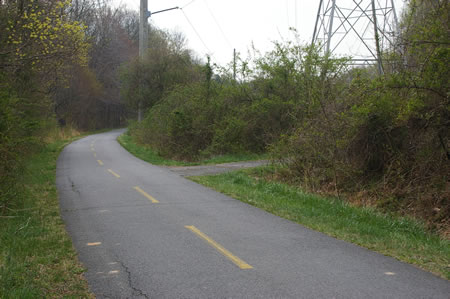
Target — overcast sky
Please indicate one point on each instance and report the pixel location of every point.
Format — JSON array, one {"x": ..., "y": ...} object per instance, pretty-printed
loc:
[{"x": 218, "y": 26}]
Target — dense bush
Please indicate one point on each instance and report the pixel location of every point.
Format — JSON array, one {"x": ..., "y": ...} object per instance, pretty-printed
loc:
[
  {"x": 217, "y": 115},
  {"x": 386, "y": 137},
  {"x": 380, "y": 139},
  {"x": 14, "y": 141}
]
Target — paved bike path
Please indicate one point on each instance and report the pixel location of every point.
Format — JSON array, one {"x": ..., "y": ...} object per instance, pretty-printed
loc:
[{"x": 143, "y": 231}]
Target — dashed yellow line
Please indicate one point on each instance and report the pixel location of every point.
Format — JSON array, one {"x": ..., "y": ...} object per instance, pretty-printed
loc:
[
  {"x": 240, "y": 263},
  {"x": 95, "y": 155},
  {"x": 146, "y": 194},
  {"x": 100, "y": 162},
  {"x": 113, "y": 173}
]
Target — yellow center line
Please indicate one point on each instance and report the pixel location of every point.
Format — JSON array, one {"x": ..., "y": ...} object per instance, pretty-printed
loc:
[
  {"x": 146, "y": 194},
  {"x": 94, "y": 244},
  {"x": 95, "y": 155},
  {"x": 240, "y": 263},
  {"x": 113, "y": 173},
  {"x": 100, "y": 162}
]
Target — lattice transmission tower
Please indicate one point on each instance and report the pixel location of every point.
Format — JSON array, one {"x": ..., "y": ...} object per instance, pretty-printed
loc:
[{"x": 361, "y": 29}]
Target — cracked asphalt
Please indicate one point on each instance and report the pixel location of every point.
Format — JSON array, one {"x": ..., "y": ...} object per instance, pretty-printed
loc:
[{"x": 144, "y": 231}]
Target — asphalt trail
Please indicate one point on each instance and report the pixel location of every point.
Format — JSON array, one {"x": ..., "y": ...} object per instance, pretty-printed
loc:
[{"x": 192, "y": 242}]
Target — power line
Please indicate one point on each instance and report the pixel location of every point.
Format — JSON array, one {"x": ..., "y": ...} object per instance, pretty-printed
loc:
[
  {"x": 217, "y": 23},
  {"x": 295, "y": 9},
  {"x": 188, "y": 4},
  {"x": 196, "y": 32},
  {"x": 287, "y": 12}
]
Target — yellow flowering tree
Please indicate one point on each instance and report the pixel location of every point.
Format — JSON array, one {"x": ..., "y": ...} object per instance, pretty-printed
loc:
[
  {"x": 39, "y": 45},
  {"x": 39, "y": 37}
]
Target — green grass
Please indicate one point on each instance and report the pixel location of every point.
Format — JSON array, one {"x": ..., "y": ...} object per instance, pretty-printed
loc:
[
  {"x": 149, "y": 155},
  {"x": 401, "y": 238},
  {"x": 37, "y": 259}
]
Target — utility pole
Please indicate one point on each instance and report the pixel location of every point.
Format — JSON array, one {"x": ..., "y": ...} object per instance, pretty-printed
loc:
[
  {"x": 143, "y": 41},
  {"x": 144, "y": 14}
]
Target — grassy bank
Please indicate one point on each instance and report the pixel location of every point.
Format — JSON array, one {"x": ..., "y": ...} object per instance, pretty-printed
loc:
[
  {"x": 37, "y": 259},
  {"x": 401, "y": 238},
  {"x": 149, "y": 155}
]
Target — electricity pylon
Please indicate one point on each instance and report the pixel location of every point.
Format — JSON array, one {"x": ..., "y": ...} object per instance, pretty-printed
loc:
[{"x": 361, "y": 29}]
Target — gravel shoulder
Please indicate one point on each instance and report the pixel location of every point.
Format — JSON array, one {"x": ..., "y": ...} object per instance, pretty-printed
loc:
[{"x": 215, "y": 169}]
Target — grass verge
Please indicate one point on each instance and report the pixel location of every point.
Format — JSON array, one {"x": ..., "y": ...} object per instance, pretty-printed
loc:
[
  {"x": 37, "y": 259},
  {"x": 401, "y": 238},
  {"x": 149, "y": 155}
]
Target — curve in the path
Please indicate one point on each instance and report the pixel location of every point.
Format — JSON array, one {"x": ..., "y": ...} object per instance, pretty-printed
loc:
[{"x": 143, "y": 231}]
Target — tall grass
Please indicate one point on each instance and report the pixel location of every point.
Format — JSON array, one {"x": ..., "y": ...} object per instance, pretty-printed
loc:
[{"x": 37, "y": 259}]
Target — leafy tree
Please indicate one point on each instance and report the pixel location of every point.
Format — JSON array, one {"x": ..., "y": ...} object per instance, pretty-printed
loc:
[
  {"x": 112, "y": 33},
  {"x": 38, "y": 45},
  {"x": 167, "y": 63},
  {"x": 39, "y": 38}
]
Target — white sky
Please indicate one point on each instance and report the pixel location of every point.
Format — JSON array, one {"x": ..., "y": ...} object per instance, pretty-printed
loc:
[{"x": 227, "y": 24}]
